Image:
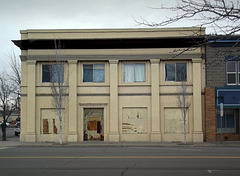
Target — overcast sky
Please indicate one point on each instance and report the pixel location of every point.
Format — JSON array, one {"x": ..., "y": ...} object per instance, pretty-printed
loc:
[{"x": 16, "y": 15}]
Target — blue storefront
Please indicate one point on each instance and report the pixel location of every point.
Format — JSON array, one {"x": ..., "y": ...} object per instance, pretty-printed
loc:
[{"x": 230, "y": 122}]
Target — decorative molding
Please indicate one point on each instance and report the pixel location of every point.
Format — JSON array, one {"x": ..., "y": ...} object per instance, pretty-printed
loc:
[
  {"x": 197, "y": 60},
  {"x": 93, "y": 94},
  {"x": 113, "y": 61},
  {"x": 155, "y": 61},
  {"x": 31, "y": 62},
  {"x": 174, "y": 94},
  {"x": 108, "y": 57},
  {"x": 135, "y": 94},
  {"x": 93, "y": 104},
  {"x": 72, "y": 61}
]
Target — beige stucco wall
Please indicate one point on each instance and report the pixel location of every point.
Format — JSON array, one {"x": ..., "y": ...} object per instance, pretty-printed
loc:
[{"x": 155, "y": 99}]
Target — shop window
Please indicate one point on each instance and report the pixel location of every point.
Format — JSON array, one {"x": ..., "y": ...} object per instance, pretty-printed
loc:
[
  {"x": 228, "y": 122},
  {"x": 134, "y": 72},
  {"x": 176, "y": 72},
  {"x": 53, "y": 73},
  {"x": 93, "y": 73}
]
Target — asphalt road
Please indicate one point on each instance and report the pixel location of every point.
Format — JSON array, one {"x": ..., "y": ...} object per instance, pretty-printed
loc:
[{"x": 117, "y": 161}]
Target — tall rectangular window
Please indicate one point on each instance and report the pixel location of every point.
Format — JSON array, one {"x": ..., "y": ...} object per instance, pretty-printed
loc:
[
  {"x": 53, "y": 73},
  {"x": 231, "y": 68},
  {"x": 93, "y": 73},
  {"x": 176, "y": 72},
  {"x": 134, "y": 73}
]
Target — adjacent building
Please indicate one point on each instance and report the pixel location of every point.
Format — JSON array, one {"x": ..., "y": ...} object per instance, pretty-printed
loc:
[
  {"x": 122, "y": 84},
  {"x": 222, "y": 86}
]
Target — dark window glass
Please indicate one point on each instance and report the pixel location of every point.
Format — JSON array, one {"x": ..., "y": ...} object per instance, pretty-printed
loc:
[
  {"x": 170, "y": 72},
  {"x": 46, "y": 73},
  {"x": 181, "y": 69},
  {"x": 231, "y": 66},
  {"x": 176, "y": 72},
  {"x": 228, "y": 121},
  {"x": 93, "y": 73},
  {"x": 87, "y": 73},
  {"x": 231, "y": 78},
  {"x": 53, "y": 73}
]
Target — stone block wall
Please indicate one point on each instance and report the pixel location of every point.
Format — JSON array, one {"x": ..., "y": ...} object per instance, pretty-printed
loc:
[{"x": 216, "y": 64}]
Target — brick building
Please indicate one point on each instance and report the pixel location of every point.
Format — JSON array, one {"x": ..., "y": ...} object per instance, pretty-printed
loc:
[{"x": 222, "y": 86}]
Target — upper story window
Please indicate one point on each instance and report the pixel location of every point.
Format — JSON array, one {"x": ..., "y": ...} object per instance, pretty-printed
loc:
[
  {"x": 53, "y": 73},
  {"x": 134, "y": 72},
  {"x": 233, "y": 73},
  {"x": 176, "y": 72},
  {"x": 93, "y": 73}
]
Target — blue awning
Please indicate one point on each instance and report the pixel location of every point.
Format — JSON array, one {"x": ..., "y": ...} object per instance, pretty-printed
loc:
[{"x": 230, "y": 97}]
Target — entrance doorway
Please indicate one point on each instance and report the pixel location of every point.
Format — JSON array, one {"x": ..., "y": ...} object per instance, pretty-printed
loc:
[{"x": 93, "y": 124}]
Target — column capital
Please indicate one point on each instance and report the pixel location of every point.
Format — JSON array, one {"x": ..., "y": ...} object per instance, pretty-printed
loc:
[
  {"x": 154, "y": 61},
  {"x": 113, "y": 61},
  {"x": 72, "y": 61},
  {"x": 31, "y": 62},
  {"x": 197, "y": 60}
]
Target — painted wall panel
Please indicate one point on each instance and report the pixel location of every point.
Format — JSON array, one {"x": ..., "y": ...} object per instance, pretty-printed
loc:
[
  {"x": 174, "y": 121},
  {"x": 134, "y": 121}
]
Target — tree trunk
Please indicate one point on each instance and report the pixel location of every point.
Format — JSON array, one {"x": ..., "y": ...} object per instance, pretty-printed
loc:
[{"x": 4, "y": 136}]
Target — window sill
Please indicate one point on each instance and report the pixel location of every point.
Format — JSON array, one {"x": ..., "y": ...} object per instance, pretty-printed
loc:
[
  {"x": 134, "y": 84},
  {"x": 93, "y": 84},
  {"x": 174, "y": 83}
]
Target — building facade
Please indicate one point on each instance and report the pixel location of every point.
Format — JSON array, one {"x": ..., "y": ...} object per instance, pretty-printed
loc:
[
  {"x": 122, "y": 84},
  {"x": 222, "y": 86}
]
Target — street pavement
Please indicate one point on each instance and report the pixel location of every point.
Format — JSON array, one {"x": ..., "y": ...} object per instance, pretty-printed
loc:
[
  {"x": 13, "y": 141},
  {"x": 118, "y": 158},
  {"x": 175, "y": 160}
]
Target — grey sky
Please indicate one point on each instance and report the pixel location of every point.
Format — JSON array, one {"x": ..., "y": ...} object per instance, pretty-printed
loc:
[{"x": 16, "y": 15}]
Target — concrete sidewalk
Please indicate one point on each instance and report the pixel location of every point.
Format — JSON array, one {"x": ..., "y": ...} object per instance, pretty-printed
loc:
[{"x": 14, "y": 142}]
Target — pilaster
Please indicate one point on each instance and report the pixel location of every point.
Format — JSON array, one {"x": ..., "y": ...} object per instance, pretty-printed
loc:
[
  {"x": 114, "y": 125},
  {"x": 31, "y": 102},
  {"x": 155, "y": 99},
  {"x": 197, "y": 101},
  {"x": 72, "y": 101}
]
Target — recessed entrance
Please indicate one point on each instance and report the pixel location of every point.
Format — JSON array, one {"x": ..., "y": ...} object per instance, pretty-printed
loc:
[{"x": 93, "y": 124}]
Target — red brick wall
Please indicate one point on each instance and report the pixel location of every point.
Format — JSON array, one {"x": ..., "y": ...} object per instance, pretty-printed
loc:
[
  {"x": 228, "y": 137},
  {"x": 210, "y": 114}
]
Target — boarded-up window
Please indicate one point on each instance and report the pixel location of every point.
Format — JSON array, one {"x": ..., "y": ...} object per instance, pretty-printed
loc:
[
  {"x": 92, "y": 125},
  {"x": 134, "y": 121},
  {"x": 49, "y": 122},
  {"x": 174, "y": 120}
]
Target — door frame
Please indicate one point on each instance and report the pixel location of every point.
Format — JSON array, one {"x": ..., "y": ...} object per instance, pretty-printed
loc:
[{"x": 83, "y": 106}]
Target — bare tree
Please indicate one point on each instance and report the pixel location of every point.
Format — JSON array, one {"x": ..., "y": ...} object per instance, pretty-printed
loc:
[
  {"x": 59, "y": 86},
  {"x": 184, "y": 104},
  {"x": 15, "y": 77},
  {"x": 223, "y": 16},
  {"x": 15, "y": 74},
  {"x": 8, "y": 103}
]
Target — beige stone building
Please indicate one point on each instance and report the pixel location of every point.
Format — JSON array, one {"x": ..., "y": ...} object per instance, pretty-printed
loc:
[{"x": 122, "y": 84}]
